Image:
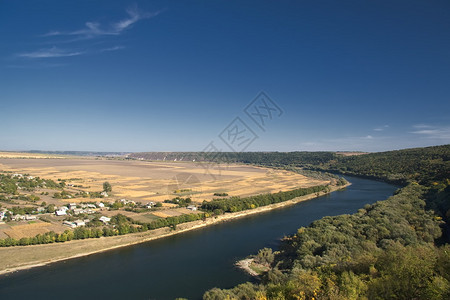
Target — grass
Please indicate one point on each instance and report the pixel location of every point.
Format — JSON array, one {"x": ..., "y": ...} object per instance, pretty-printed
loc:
[{"x": 257, "y": 268}]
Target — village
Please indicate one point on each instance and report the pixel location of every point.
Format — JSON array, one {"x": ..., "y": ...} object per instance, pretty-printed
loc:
[{"x": 30, "y": 205}]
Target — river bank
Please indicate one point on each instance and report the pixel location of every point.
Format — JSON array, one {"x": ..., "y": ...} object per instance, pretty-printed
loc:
[{"x": 25, "y": 257}]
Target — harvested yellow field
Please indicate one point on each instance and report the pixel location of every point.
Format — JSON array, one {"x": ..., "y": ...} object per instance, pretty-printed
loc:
[
  {"x": 29, "y": 155},
  {"x": 144, "y": 181},
  {"x": 29, "y": 230},
  {"x": 172, "y": 212}
]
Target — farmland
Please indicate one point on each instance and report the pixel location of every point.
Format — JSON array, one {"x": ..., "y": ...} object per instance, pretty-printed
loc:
[{"x": 136, "y": 183}]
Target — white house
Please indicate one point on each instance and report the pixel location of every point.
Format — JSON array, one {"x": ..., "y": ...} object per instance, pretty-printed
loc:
[
  {"x": 70, "y": 224},
  {"x": 30, "y": 217},
  {"x": 101, "y": 205},
  {"x": 79, "y": 223},
  {"x": 60, "y": 212},
  {"x": 104, "y": 194},
  {"x": 18, "y": 217},
  {"x": 192, "y": 207},
  {"x": 104, "y": 219},
  {"x": 72, "y": 205},
  {"x": 78, "y": 211}
]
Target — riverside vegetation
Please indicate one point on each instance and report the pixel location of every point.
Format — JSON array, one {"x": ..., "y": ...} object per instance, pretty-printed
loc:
[{"x": 393, "y": 249}]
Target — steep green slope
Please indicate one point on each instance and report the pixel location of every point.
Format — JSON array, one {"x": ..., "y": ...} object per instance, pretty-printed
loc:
[{"x": 384, "y": 251}]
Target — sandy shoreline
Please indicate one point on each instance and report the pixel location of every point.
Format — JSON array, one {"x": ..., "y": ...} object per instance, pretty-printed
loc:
[
  {"x": 25, "y": 257},
  {"x": 244, "y": 264}
]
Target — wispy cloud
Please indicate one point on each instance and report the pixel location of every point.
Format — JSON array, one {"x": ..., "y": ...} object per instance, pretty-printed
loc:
[
  {"x": 50, "y": 52},
  {"x": 381, "y": 128},
  {"x": 432, "y": 132},
  {"x": 422, "y": 126},
  {"x": 95, "y": 29},
  {"x": 81, "y": 37},
  {"x": 37, "y": 65},
  {"x": 115, "y": 48}
]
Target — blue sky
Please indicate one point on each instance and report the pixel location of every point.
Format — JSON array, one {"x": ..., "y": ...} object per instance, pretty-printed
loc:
[{"x": 173, "y": 75}]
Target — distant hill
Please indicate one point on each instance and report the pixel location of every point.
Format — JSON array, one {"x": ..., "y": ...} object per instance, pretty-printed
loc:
[
  {"x": 401, "y": 166},
  {"x": 78, "y": 153},
  {"x": 260, "y": 158}
]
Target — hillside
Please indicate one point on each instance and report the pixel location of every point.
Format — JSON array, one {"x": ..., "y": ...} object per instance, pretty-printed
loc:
[{"x": 388, "y": 250}]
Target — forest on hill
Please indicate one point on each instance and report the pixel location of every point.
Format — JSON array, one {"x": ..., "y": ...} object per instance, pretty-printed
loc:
[{"x": 393, "y": 249}]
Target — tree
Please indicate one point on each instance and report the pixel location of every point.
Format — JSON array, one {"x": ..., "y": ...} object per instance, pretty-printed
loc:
[
  {"x": 51, "y": 208},
  {"x": 107, "y": 187}
]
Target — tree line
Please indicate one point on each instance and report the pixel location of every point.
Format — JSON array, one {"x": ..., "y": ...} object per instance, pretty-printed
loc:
[{"x": 235, "y": 204}]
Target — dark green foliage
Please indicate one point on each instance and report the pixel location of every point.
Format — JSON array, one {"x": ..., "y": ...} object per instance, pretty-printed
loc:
[
  {"x": 400, "y": 219},
  {"x": 62, "y": 195},
  {"x": 221, "y": 194},
  {"x": 423, "y": 165},
  {"x": 265, "y": 256},
  {"x": 107, "y": 187},
  {"x": 257, "y": 158},
  {"x": 234, "y": 204},
  {"x": 384, "y": 251},
  {"x": 182, "y": 202},
  {"x": 173, "y": 221},
  {"x": 10, "y": 183}
]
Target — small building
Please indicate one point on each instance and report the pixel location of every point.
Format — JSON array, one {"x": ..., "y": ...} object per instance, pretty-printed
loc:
[
  {"x": 104, "y": 219},
  {"x": 101, "y": 205},
  {"x": 104, "y": 194},
  {"x": 78, "y": 211},
  {"x": 60, "y": 212},
  {"x": 18, "y": 217},
  {"x": 70, "y": 224},
  {"x": 72, "y": 205},
  {"x": 192, "y": 207},
  {"x": 30, "y": 217},
  {"x": 79, "y": 223},
  {"x": 64, "y": 208}
]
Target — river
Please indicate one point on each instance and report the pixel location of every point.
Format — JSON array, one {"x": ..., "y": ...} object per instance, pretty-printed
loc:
[{"x": 184, "y": 265}]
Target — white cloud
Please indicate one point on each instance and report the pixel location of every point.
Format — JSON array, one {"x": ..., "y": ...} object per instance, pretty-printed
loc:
[
  {"x": 51, "y": 52},
  {"x": 95, "y": 29},
  {"x": 422, "y": 126},
  {"x": 382, "y": 128},
  {"x": 115, "y": 48},
  {"x": 90, "y": 31},
  {"x": 432, "y": 132}
]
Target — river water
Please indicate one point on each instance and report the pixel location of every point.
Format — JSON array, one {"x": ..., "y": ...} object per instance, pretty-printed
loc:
[{"x": 184, "y": 265}]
